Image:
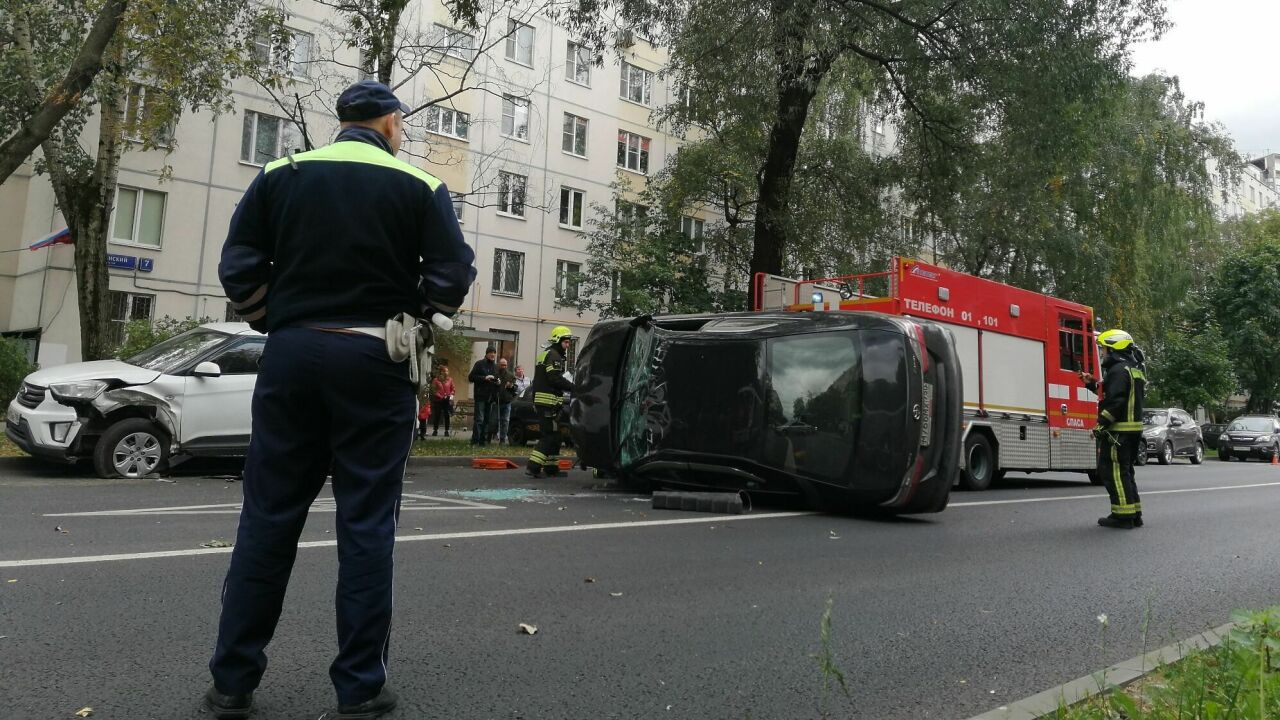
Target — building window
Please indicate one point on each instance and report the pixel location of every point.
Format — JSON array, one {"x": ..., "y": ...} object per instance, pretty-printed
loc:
[
  {"x": 571, "y": 203},
  {"x": 636, "y": 84},
  {"x": 139, "y": 113},
  {"x": 515, "y": 117},
  {"x": 444, "y": 121},
  {"x": 139, "y": 217},
  {"x": 568, "y": 275},
  {"x": 508, "y": 272},
  {"x": 511, "y": 189},
  {"x": 520, "y": 42},
  {"x": 633, "y": 152},
  {"x": 458, "y": 205},
  {"x": 574, "y": 141},
  {"x": 577, "y": 65},
  {"x": 692, "y": 228},
  {"x": 126, "y": 307},
  {"x": 300, "y": 53},
  {"x": 454, "y": 43},
  {"x": 266, "y": 138},
  {"x": 631, "y": 219}
]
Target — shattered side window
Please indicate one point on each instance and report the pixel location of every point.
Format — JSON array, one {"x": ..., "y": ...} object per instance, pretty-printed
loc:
[
  {"x": 814, "y": 402},
  {"x": 636, "y": 372},
  {"x": 177, "y": 351}
]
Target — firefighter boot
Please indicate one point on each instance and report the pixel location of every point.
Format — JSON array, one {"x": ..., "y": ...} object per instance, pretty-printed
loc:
[
  {"x": 1137, "y": 519},
  {"x": 1120, "y": 522}
]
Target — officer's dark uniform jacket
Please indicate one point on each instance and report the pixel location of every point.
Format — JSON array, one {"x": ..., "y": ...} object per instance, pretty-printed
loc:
[
  {"x": 408, "y": 260},
  {"x": 1123, "y": 387},
  {"x": 549, "y": 382}
]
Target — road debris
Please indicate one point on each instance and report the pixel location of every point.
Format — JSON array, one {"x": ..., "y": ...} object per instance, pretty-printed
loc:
[
  {"x": 216, "y": 544},
  {"x": 615, "y": 594},
  {"x": 84, "y": 712},
  {"x": 60, "y": 529},
  {"x": 526, "y": 629},
  {"x": 732, "y": 503},
  {"x": 832, "y": 535},
  {"x": 589, "y": 580},
  {"x": 13, "y": 580}
]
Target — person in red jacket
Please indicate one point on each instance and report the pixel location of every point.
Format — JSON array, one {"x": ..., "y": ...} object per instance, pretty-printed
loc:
[{"x": 441, "y": 400}]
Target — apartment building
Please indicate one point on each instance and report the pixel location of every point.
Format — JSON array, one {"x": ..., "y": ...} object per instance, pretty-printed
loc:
[{"x": 528, "y": 134}]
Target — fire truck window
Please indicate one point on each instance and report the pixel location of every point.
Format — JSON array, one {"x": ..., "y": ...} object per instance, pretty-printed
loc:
[{"x": 1071, "y": 350}]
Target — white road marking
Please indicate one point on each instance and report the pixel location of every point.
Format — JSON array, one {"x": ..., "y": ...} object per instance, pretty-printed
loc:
[
  {"x": 327, "y": 504},
  {"x": 1141, "y": 493},
  {"x": 406, "y": 538}
]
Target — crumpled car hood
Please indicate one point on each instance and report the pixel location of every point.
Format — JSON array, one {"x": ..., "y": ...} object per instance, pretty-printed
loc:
[{"x": 96, "y": 370}]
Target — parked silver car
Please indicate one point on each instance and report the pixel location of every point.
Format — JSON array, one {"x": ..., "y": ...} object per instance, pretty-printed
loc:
[{"x": 1168, "y": 433}]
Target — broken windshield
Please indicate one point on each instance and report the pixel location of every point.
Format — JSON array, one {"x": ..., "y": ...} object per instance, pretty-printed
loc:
[{"x": 172, "y": 354}]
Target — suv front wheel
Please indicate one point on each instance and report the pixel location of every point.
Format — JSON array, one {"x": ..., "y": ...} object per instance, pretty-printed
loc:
[{"x": 131, "y": 448}]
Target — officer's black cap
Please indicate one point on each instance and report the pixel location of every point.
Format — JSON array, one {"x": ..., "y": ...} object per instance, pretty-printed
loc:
[{"x": 366, "y": 100}]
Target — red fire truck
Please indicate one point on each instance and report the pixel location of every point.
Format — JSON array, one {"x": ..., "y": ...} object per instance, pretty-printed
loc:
[{"x": 1025, "y": 407}]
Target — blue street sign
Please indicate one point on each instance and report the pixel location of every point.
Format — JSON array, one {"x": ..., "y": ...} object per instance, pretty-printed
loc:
[
  {"x": 121, "y": 262},
  {"x": 146, "y": 264}
]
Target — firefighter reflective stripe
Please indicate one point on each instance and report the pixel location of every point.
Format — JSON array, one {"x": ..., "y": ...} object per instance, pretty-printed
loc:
[
  {"x": 544, "y": 398},
  {"x": 356, "y": 152},
  {"x": 1126, "y": 427},
  {"x": 538, "y": 458},
  {"x": 1124, "y": 507},
  {"x": 1107, "y": 414},
  {"x": 1134, "y": 376}
]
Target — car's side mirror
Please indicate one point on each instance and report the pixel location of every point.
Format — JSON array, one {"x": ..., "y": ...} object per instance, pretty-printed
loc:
[
  {"x": 1176, "y": 423},
  {"x": 207, "y": 369}
]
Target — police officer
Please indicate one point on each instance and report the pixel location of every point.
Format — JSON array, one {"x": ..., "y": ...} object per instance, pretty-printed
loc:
[
  {"x": 549, "y": 387},
  {"x": 1119, "y": 429},
  {"x": 324, "y": 248}
]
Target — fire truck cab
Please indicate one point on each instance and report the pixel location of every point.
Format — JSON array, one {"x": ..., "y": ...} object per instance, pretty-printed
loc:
[{"x": 1025, "y": 407}]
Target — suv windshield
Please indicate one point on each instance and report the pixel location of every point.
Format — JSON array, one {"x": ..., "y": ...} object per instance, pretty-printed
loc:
[
  {"x": 1155, "y": 417},
  {"x": 177, "y": 351},
  {"x": 1253, "y": 424}
]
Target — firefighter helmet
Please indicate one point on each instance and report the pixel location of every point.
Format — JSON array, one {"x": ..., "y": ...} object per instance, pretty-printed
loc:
[
  {"x": 561, "y": 332},
  {"x": 1115, "y": 340}
]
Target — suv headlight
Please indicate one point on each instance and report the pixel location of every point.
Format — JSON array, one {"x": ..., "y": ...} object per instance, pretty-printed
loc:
[
  {"x": 1264, "y": 439},
  {"x": 79, "y": 390},
  {"x": 1151, "y": 432}
]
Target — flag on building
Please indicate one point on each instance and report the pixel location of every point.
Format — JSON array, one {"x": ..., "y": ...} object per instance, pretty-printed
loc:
[{"x": 62, "y": 237}]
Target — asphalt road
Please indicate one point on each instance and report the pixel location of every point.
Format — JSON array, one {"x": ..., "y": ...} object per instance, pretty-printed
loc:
[{"x": 689, "y": 616}]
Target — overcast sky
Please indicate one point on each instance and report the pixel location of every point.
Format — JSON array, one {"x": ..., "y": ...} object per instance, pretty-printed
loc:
[{"x": 1227, "y": 55}]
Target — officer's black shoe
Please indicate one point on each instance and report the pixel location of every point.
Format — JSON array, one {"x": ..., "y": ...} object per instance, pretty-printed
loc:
[
  {"x": 532, "y": 473},
  {"x": 384, "y": 703},
  {"x": 1137, "y": 520},
  {"x": 228, "y": 707},
  {"x": 1116, "y": 521}
]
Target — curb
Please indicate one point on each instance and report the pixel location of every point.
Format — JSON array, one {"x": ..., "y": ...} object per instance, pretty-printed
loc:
[{"x": 1047, "y": 703}]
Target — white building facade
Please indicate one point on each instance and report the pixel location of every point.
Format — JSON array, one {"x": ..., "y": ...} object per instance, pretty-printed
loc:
[{"x": 531, "y": 141}]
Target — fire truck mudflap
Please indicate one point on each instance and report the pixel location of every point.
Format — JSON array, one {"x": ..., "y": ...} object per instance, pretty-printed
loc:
[{"x": 848, "y": 411}]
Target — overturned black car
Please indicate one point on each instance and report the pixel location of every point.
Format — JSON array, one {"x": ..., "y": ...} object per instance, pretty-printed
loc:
[{"x": 849, "y": 411}]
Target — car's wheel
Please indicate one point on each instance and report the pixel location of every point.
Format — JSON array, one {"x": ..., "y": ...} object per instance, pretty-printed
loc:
[
  {"x": 1166, "y": 454},
  {"x": 1197, "y": 456},
  {"x": 1141, "y": 459},
  {"x": 131, "y": 448},
  {"x": 516, "y": 434},
  {"x": 980, "y": 463},
  {"x": 1224, "y": 456}
]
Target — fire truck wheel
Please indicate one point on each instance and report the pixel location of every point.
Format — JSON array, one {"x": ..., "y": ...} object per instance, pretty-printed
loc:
[{"x": 979, "y": 463}]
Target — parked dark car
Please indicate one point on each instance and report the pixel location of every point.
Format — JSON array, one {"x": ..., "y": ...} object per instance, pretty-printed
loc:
[
  {"x": 1212, "y": 432},
  {"x": 524, "y": 427},
  {"x": 1251, "y": 436},
  {"x": 848, "y": 411},
  {"x": 1168, "y": 433}
]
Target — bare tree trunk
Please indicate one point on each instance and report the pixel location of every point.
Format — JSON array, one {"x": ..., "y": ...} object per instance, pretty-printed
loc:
[
  {"x": 58, "y": 100},
  {"x": 800, "y": 72},
  {"x": 386, "y": 50}
]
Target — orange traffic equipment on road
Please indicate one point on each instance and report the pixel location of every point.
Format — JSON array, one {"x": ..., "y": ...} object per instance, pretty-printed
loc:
[
  {"x": 568, "y": 464},
  {"x": 1275, "y": 459},
  {"x": 492, "y": 464}
]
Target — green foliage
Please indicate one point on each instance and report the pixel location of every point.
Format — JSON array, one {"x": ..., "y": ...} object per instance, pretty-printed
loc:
[
  {"x": 1246, "y": 301},
  {"x": 14, "y": 366},
  {"x": 1191, "y": 370},
  {"x": 142, "y": 334},
  {"x": 1240, "y": 678},
  {"x": 451, "y": 344}
]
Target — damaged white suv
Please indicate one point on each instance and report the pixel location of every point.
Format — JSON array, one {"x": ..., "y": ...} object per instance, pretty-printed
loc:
[{"x": 187, "y": 396}]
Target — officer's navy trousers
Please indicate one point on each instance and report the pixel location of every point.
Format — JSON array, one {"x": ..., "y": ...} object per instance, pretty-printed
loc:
[{"x": 324, "y": 403}]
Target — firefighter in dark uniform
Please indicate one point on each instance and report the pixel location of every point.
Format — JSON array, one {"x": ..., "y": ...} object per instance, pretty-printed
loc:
[
  {"x": 1119, "y": 429},
  {"x": 549, "y": 387},
  {"x": 324, "y": 248}
]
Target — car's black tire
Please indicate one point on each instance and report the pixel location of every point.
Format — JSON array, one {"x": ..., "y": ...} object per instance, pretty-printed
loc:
[
  {"x": 1141, "y": 459},
  {"x": 1197, "y": 455},
  {"x": 132, "y": 448},
  {"x": 516, "y": 434},
  {"x": 1224, "y": 456},
  {"x": 1166, "y": 454},
  {"x": 980, "y": 463}
]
